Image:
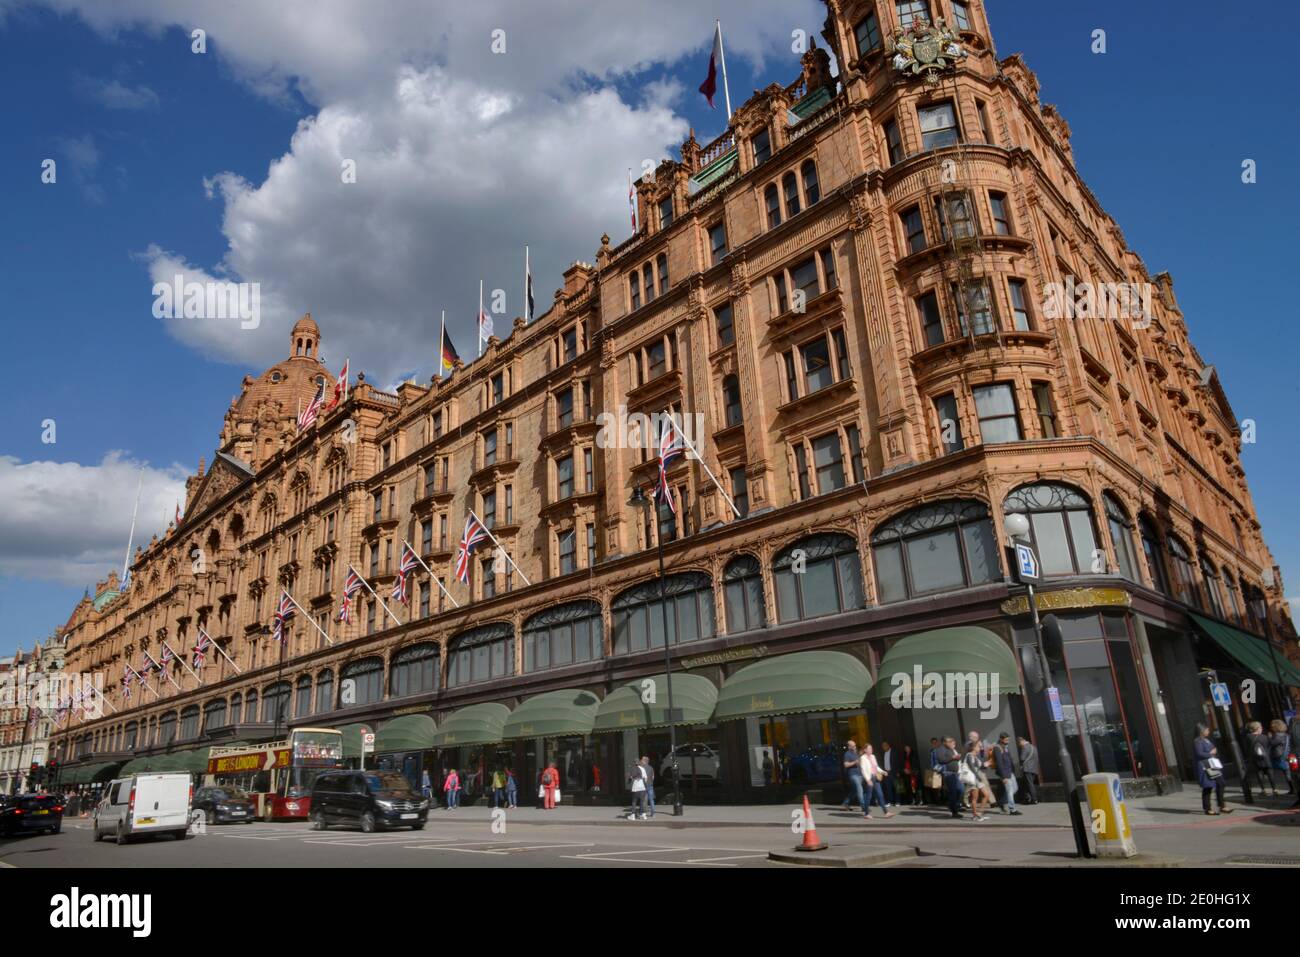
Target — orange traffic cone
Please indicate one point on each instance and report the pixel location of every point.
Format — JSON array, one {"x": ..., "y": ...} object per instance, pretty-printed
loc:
[{"x": 810, "y": 840}]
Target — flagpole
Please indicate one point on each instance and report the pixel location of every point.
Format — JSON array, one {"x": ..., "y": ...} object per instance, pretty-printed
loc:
[
  {"x": 527, "y": 317},
  {"x": 310, "y": 618},
  {"x": 221, "y": 651},
  {"x": 726, "y": 91},
  {"x": 431, "y": 574},
  {"x": 144, "y": 682},
  {"x": 182, "y": 661},
  {"x": 479, "y": 320},
  {"x": 130, "y": 539},
  {"x": 703, "y": 464},
  {"x": 92, "y": 687},
  {"x": 377, "y": 598},
  {"x": 488, "y": 533},
  {"x": 442, "y": 341},
  {"x": 163, "y": 671}
]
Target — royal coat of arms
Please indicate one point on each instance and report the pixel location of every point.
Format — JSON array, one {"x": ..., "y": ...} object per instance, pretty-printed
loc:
[{"x": 925, "y": 49}]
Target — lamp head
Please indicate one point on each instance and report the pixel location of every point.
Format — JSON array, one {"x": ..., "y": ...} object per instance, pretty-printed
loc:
[{"x": 1016, "y": 525}]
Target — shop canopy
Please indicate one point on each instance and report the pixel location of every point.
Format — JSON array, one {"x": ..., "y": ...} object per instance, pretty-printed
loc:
[
  {"x": 103, "y": 772},
  {"x": 352, "y": 739},
  {"x": 1249, "y": 651},
  {"x": 410, "y": 732},
  {"x": 131, "y": 767},
  {"x": 964, "y": 650},
  {"x": 472, "y": 725},
  {"x": 793, "y": 684},
  {"x": 552, "y": 715},
  {"x": 625, "y": 709}
]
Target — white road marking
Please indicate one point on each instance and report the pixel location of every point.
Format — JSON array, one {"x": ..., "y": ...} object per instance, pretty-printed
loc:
[{"x": 730, "y": 857}]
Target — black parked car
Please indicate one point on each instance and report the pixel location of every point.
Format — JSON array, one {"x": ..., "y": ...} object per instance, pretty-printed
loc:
[
  {"x": 368, "y": 799},
  {"x": 31, "y": 812},
  {"x": 223, "y": 805}
]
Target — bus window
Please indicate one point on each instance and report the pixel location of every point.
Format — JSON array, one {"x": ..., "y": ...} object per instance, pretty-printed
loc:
[{"x": 261, "y": 782}]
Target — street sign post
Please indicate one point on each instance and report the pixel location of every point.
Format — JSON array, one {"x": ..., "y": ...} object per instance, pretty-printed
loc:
[{"x": 1219, "y": 692}]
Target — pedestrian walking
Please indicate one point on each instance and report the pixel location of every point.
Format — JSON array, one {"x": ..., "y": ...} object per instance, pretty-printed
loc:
[
  {"x": 637, "y": 779},
  {"x": 872, "y": 775},
  {"x": 451, "y": 788},
  {"x": 498, "y": 788},
  {"x": 948, "y": 761},
  {"x": 1257, "y": 756},
  {"x": 889, "y": 782},
  {"x": 512, "y": 788},
  {"x": 1007, "y": 772},
  {"x": 853, "y": 776},
  {"x": 1029, "y": 768},
  {"x": 933, "y": 790},
  {"x": 1278, "y": 745},
  {"x": 909, "y": 777},
  {"x": 974, "y": 783},
  {"x": 648, "y": 771},
  {"x": 1293, "y": 733},
  {"x": 1209, "y": 770},
  {"x": 549, "y": 791}
]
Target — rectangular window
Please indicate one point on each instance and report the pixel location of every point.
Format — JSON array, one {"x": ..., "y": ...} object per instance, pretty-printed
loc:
[
  {"x": 945, "y": 409},
  {"x": 718, "y": 242},
  {"x": 591, "y": 546},
  {"x": 909, "y": 10},
  {"x": 564, "y": 476},
  {"x": 938, "y": 125},
  {"x": 816, "y": 364},
  {"x": 791, "y": 380},
  {"x": 979, "y": 305},
  {"x": 894, "y": 142},
  {"x": 725, "y": 322},
  {"x": 430, "y": 473},
  {"x": 801, "y": 470},
  {"x": 913, "y": 229},
  {"x": 370, "y": 618},
  {"x": 489, "y": 578},
  {"x": 442, "y": 532},
  {"x": 782, "y": 297},
  {"x": 996, "y": 407},
  {"x": 568, "y": 542},
  {"x": 490, "y": 447},
  {"x": 841, "y": 354},
  {"x": 588, "y": 470},
  {"x": 490, "y": 509},
  {"x": 953, "y": 210},
  {"x": 665, "y": 212},
  {"x": 960, "y": 15},
  {"x": 425, "y": 590},
  {"x": 762, "y": 144},
  {"x": 656, "y": 360},
  {"x": 828, "y": 458},
  {"x": 378, "y": 501},
  {"x": 374, "y": 559},
  {"x": 804, "y": 277},
  {"x": 569, "y": 344},
  {"x": 437, "y": 424},
  {"x": 998, "y": 207},
  {"x": 740, "y": 491},
  {"x": 634, "y": 285},
  {"x": 663, "y": 275},
  {"x": 564, "y": 409},
  {"x": 828, "y": 269},
  {"x": 855, "y": 452},
  {"x": 1019, "y": 308},
  {"x": 1043, "y": 404},
  {"x": 426, "y": 537},
  {"x": 498, "y": 388},
  {"x": 867, "y": 33},
  {"x": 982, "y": 111},
  {"x": 510, "y": 504},
  {"x": 927, "y": 308}
]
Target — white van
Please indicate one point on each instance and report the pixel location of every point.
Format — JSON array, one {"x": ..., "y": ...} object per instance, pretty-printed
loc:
[{"x": 144, "y": 804}]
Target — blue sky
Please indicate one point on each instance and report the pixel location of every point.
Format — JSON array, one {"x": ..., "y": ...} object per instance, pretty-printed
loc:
[{"x": 164, "y": 156}]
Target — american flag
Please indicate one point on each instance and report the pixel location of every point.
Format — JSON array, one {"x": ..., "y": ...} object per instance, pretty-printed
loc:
[
  {"x": 340, "y": 387},
  {"x": 350, "y": 588},
  {"x": 282, "y": 615},
  {"x": 475, "y": 533},
  {"x": 201, "y": 648},
  {"x": 308, "y": 415},
  {"x": 407, "y": 565},
  {"x": 670, "y": 450}
]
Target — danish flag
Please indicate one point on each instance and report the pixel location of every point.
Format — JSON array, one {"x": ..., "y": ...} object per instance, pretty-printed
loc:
[
  {"x": 475, "y": 533},
  {"x": 407, "y": 565},
  {"x": 350, "y": 588},
  {"x": 282, "y": 614},
  {"x": 340, "y": 387},
  {"x": 670, "y": 450}
]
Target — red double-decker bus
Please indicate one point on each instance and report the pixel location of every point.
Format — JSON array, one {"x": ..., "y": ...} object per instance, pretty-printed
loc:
[{"x": 278, "y": 775}]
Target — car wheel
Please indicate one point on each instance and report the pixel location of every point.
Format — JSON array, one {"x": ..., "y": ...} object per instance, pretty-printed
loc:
[
  {"x": 318, "y": 821},
  {"x": 367, "y": 823},
  {"x": 181, "y": 834},
  {"x": 56, "y": 829},
  {"x": 268, "y": 815},
  {"x": 209, "y": 816},
  {"x": 121, "y": 836},
  {"x": 96, "y": 833}
]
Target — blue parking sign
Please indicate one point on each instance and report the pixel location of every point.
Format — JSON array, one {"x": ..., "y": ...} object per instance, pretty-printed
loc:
[{"x": 1026, "y": 564}]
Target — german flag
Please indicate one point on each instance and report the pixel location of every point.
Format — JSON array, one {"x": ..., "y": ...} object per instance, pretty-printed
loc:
[{"x": 449, "y": 354}]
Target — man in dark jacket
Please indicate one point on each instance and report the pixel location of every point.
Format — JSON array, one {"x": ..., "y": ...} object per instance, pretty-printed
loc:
[
  {"x": 949, "y": 760},
  {"x": 1006, "y": 769},
  {"x": 1029, "y": 768}
]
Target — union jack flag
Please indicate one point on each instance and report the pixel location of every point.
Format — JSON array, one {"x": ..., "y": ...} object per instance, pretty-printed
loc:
[
  {"x": 126, "y": 684},
  {"x": 308, "y": 415},
  {"x": 350, "y": 588},
  {"x": 670, "y": 450},
  {"x": 76, "y": 702},
  {"x": 201, "y": 648},
  {"x": 282, "y": 615},
  {"x": 167, "y": 655},
  {"x": 475, "y": 533},
  {"x": 407, "y": 565}
]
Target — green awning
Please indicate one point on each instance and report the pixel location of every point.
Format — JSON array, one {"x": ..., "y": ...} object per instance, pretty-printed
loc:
[
  {"x": 967, "y": 650},
  {"x": 196, "y": 761},
  {"x": 694, "y": 699},
  {"x": 472, "y": 725},
  {"x": 352, "y": 739},
  {"x": 76, "y": 775},
  {"x": 410, "y": 732},
  {"x": 167, "y": 762},
  {"x": 551, "y": 715},
  {"x": 1249, "y": 651},
  {"x": 103, "y": 772},
  {"x": 793, "y": 684},
  {"x": 131, "y": 767}
]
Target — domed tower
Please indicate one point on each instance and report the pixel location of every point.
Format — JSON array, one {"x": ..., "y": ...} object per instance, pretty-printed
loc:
[{"x": 304, "y": 341}]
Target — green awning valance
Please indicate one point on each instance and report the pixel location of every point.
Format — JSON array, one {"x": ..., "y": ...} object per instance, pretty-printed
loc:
[
  {"x": 352, "y": 739},
  {"x": 967, "y": 650},
  {"x": 554, "y": 714},
  {"x": 1249, "y": 651},
  {"x": 132, "y": 766},
  {"x": 472, "y": 725},
  {"x": 410, "y": 732},
  {"x": 196, "y": 761},
  {"x": 169, "y": 762},
  {"x": 793, "y": 684},
  {"x": 103, "y": 772},
  {"x": 694, "y": 699}
]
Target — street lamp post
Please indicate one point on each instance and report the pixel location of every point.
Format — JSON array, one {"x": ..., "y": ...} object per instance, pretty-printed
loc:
[
  {"x": 1260, "y": 607},
  {"x": 1017, "y": 528},
  {"x": 1246, "y": 797},
  {"x": 640, "y": 500}
]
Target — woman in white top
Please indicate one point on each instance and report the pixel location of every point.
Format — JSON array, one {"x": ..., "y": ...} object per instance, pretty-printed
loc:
[{"x": 871, "y": 776}]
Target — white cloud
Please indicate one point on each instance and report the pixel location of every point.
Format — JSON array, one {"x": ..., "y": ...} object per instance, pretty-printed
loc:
[
  {"x": 462, "y": 156},
  {"x": 67, "y": 522},
  {"x": 117, "y": 95}
]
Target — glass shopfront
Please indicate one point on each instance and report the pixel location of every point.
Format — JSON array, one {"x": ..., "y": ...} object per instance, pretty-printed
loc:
[
  {"x": 802, "y": 749},
  {"x": 700, "y": 760}
]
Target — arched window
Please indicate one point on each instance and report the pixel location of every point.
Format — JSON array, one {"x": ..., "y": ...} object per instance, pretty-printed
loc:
[
  {"x": 1184, "y": 580},
  {"x": 236, "y": 708},
  {"x": 325, "y": 692},
  {"x": 1151, "y": 551},
  {"x": 772, "y": 200},
  {"x": 214, "y": 714},
  {"x": 302, "y": 697},
  {"x": 790, "y": 186},
  {"x": 1251, "y": 596},
  {"x": 1213, "y": 587},
  {"x": 935, "y": 548},
  {"x": 190, "y": 722},
  {"x": 1060, "y": 526},
  {"x": 132, "y": 733},
  {"x": 250, "y": 706},
  {"x": 648, "y": 278},
  {"x": 481, "y": 654},
  {"x": 662, "y": 263},
  {"x": 731, "y": 401},
  {"x": 564, "y": 635},
  {"x": 634, "y": 289},
  {"x": 811, "y": 190},
  {"x": 275, "y": 701},
  {"x": 167, "y": 728},
  {"x": 1233, "y": 607},
  {"x": 361, "y": 682},
  {"x": 743, "y": 595},
  {"x": 830, "y": 581},
  {"x": 414, "y": 670},
  {"x": 639, "y": 619},
  {"x": 1121, "y": 536}
]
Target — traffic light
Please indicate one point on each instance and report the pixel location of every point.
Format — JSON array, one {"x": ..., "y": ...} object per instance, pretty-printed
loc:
[
  {"x": 34, "y": 780},
  {"x": 1053, "y": 641}
]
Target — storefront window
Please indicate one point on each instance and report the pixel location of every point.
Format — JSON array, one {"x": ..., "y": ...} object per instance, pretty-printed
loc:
[
  {"x": 1121, "y": 536},
  {"x": 362, "y": 682},
  {"x": 1184, "y": 579},
  {"x": 275, "y": 698},
  {"x": 639, "y": 621},
  {"x": 236, "y": 706},
  {"x": 414, "y": 670},
  {"x": 190, "y": 723},
  {"x": 324, "y": 692},
  {"x": 563, "y": 635},
  {"x": 1060, "y": 526},
  {"x": 1151, "y": 549},
  {"x": 935, "y": 548},
  {"x": 481, "y": 654},
  {"x": 744, "y": 595},
  {"x": 802, "y": 749},
  {"x": 302, "y": 699},
  {"x": 830, "y": 579},
  {"x": 214, "y": 716}
]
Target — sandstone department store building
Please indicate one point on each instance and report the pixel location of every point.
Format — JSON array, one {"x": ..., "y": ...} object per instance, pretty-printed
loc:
[{"x": 797, "y": 283}]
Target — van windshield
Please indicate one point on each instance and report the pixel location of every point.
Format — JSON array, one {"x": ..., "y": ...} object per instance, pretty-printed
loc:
[{"x": 388, "y": 783}]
